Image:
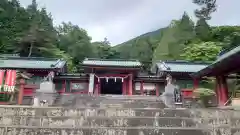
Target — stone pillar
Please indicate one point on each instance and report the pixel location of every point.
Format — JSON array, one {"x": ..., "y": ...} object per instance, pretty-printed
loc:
[
  {"x": 21, "y": 91},
  {"x": 130, "y": 88},
  {"x": 141, "y": 88},
  {"x": 91, "y": 84},
  {"x": 96, "y": 91}
]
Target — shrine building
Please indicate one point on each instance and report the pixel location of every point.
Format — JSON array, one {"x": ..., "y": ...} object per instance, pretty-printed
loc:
[
  {"x": 101, "y": 76},
  {"x": 222, "y": 69}
]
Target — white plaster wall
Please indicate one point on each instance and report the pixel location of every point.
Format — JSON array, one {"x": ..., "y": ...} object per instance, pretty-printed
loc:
[{"x": 146, "y": 86}]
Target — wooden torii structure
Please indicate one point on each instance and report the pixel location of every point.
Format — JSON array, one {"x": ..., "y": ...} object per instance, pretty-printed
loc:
[{"x": 225, "y": 65}]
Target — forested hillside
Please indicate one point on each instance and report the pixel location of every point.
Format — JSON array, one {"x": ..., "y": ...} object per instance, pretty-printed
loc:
[
  {"x": 183, "y": 39},
  {"x": 30, "y": 32}
]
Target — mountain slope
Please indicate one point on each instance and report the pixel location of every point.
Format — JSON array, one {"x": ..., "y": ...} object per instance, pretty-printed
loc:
[
  {"x": 163, "y": 44},
  {"x": 141, "y": 47},
  {"x": 153, "y": 34}
]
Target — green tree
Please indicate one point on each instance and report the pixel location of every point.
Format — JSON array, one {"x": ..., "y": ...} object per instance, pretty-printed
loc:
[
  {"x": 103, "y": 50},
  {"x": 229, "y": 35},
  {"x": 206, "y": 8},
  {"x": 162, "y": 51},
  {"x": 75, "y": 42},
  {"x": 179, "y": 33},
  {"x": 14, "y": 19},
  {"x": 142, "y": 49},
  {"x": 203, "y": 30},
  {"x": 40, "y": 37},
  {"x": 185, "y": 29},
  {"x": 204, "y": 51}
]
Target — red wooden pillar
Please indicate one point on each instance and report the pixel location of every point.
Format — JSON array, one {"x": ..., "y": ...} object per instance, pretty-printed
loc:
[
  {"x": 218, "y": 94},
  {"x": 65, "y": 86},
  {"x": 141, "y": 87},
  {"x": 195, "y": 83},
  {"x": 224, "y": 90},
  {"x": 130, "y": 88},
  {"x": 124, "y": 87},
  {"x": 157, "y": 89},
  {"x": 127, "y": 86},
  {"x": 21, "y": 91}
]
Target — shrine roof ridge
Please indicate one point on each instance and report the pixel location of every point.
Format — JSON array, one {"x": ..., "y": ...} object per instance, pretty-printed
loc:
[
  {"x": 111, "y": 62},
  {"x": 184, "y": 62},
  {"x": 99, "y": 59},
  {"x": 28, "y": 58},
  {"x": 149, "y": 76},
  {"x": 16, "y": 62},
  {"x": 70, "y": 74},
  {"x": 218, "y": 67},
  {"x": 180, "y": 66}
]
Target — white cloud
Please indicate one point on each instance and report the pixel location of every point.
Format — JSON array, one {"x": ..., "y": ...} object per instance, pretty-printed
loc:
[{"x": 120, "y": 20}]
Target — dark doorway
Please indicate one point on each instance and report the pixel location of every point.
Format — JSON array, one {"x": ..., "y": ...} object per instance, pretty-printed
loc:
[{"x": 111, "y": 87}]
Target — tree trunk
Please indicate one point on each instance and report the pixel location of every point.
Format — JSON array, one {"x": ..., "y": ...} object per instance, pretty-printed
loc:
[{"x": 30, "y": 50}]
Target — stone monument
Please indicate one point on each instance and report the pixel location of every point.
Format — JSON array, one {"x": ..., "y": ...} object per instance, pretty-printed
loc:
[
  {"x": 168, "y": 95},
  {"x": 45, "y": 95}
]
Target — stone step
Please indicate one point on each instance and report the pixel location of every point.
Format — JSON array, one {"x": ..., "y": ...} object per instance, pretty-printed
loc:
[
  {"x": 102, "y": 97},
  {"x": 137, "y": 97},
  {"x": 140, "y": 97},
  {"x": 98, "y": 121},
  {"x": 86, "y": 112},
  {"x": 109, "y": 112},
  {"x": 77, "y": 122},
  {"x": 108, "y": 101},
  {"x": 15, "y": 130}
]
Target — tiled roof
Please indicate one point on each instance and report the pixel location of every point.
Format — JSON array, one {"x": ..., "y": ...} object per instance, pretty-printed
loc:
[
  {"x": 111, "y": 62},
  {"x": 31, "y": 63},
  {"x": 228, "y": 54},
  {"x": 218, "y": 64},
  {"x": 181, "y": 66},
  {"x": 71, "y": 76}
]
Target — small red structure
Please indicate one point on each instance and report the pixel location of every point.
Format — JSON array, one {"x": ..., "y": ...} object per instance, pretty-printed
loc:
[
  {"x": 226, "y": 64},
  {"x": 187, "y": 92},
  {"x": 38, "y": 67},
  {"x": 181, "y": 72}
]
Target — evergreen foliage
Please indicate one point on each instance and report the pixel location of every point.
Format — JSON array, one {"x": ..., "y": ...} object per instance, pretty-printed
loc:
[{"x": 30, "y": 32}]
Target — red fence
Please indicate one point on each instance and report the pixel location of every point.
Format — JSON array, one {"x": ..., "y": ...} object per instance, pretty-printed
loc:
[{"x": 187, "y": 92}]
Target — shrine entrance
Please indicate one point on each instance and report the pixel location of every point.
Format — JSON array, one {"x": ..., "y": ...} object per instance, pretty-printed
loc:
[{"x": 111, "y": 86}]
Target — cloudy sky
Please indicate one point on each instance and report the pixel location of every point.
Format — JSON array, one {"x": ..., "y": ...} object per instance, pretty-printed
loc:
[{"x": 121, "y": 20}]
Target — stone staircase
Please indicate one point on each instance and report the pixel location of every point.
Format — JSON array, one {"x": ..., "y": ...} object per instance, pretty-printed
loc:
[{"x": 115, "y": 115}]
